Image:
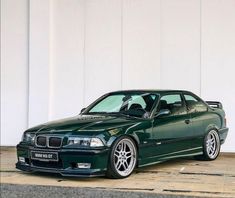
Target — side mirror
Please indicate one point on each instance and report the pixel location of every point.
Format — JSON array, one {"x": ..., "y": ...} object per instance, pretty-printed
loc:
[
  {"x": 163, "y": 112},
  {"x": 82, "y": 110}
]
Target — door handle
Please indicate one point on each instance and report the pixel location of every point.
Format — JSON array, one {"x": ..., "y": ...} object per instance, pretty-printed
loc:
[{"x": 187, "y": 121}]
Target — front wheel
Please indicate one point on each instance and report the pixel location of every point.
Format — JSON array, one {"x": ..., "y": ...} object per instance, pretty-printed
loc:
[
  {"x": 211, "y": 147},
  {"x": 123, "y": 158}
]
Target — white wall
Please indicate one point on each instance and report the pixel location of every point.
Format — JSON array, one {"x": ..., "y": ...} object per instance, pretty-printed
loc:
[
  {"x": 59, "y": 55},
  {"x": 218, "y": 59},
  {"x": 141, "y": 44},
  {"x": 180, "y": 45},
  {"x": 14, "y": 70},
  {"x": 66, "y": 58},
  {"x": 102, "y": 48}
]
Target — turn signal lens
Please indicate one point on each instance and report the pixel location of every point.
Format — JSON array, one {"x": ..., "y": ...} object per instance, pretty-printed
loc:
[{"x": 96, "y": 142}]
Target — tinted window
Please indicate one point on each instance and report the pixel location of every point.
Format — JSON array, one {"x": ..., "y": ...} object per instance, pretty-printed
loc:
[
  {"x": 174, "y": 103},
  {"x": 137, "y": 100},
  {"x": 109, "y": 104},
  {"x": 194, "y": 104},
  {"x": 139, "y": 105}
]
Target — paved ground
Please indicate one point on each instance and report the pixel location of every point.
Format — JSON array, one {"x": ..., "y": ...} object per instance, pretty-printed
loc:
[
  {"x": 29, "y": 191},
  {"x": 177, "y": 177}
]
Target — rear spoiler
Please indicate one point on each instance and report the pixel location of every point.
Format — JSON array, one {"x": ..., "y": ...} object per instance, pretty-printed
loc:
[{"x": 215, "y": 104}]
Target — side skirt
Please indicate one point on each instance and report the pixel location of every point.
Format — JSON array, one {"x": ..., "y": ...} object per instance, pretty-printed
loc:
[{"x": 165, "y": 157}]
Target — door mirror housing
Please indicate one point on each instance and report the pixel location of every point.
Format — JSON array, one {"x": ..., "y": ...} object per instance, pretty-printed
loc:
[
  {"x": 163, "y": 112},
  {"x": 83, "y": 109}
]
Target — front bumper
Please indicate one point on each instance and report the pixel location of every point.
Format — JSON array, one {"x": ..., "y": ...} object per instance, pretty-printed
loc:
[{"x": 68, "y": 158}]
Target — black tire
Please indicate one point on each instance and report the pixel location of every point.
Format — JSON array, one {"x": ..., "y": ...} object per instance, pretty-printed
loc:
[
  {"x": 209, "y": 153},
  {"x": 113, "y": 171}
]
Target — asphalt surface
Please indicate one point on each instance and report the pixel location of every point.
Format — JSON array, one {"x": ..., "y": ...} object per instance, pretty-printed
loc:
[
  {"x": 176, "y": 178},
  {"x": 29, "y": 191}
]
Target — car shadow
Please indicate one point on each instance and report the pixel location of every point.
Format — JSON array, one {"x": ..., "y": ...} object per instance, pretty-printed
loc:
[{"x": 156, "y": 168}]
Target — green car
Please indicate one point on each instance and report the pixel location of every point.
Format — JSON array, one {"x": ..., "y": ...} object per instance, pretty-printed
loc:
[{"x": 123, "y": 130}]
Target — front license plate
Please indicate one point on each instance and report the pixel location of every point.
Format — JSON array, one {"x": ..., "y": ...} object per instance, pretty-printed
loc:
[{"x": 44, "y": 156}]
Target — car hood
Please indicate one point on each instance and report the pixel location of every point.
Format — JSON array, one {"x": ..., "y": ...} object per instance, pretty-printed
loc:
[{"x": 85, "y": 125}]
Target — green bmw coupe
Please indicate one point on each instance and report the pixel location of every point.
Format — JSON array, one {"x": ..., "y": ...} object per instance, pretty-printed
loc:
[{"x": 123, "y": 130}]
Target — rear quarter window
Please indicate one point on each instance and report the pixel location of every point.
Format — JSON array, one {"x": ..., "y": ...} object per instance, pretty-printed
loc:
[{"x": 194, "y": 104}]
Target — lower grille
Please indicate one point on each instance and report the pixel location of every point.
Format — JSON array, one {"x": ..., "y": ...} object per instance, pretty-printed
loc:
[{"x": 43, "y": 164}]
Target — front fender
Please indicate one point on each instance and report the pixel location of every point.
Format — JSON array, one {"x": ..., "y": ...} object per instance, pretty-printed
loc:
[{"x": 211, "y": 127}]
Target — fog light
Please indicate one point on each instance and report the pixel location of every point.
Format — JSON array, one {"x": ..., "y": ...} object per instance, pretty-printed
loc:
[
  {"x": 83, "y": 165},
  {"x": 22, "y": 159}
]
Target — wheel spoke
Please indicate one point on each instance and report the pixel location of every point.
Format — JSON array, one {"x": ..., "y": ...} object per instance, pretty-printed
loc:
[
  {"x": 119, "y": 163},
  {"x": 124, "y": 146},
  {"x": 116, "y": 155},
  {"x": 211, "y": 137},
  {"x": 213, "y": 148},
  {"x": 119, "y": 148},
  {"x": 210, "y": 150},
  {"x": 125, "y": 165}
]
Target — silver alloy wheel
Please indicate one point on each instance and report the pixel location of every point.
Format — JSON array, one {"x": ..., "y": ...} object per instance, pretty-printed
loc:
[
  {"x": 212, "y": 144},
  {"x": 125, "y": 157}
]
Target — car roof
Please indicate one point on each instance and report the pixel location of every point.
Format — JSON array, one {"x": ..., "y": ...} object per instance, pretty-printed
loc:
[{"x": 156, "y": 91}]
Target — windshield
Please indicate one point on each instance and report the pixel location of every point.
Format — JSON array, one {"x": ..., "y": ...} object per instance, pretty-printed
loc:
[{"x": 137, "y": 105}]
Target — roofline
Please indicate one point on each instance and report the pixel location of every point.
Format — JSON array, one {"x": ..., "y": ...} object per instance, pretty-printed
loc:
[{"x": 150, "y": 90}]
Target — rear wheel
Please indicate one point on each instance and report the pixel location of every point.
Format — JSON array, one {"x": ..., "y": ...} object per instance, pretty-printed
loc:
[
  {"x": 211, "y": 147},
  {"x": 123, "y": 158}
]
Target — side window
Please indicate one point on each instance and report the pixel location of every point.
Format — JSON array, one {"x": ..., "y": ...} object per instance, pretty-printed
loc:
[
  {"x": 194, "y": 104},
  {"x": 174, "y": 103}
]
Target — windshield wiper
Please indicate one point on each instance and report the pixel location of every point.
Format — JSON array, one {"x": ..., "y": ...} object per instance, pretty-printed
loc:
[
  {"x": 126, "y": 115},
  {"x": 114, "y": 114}
]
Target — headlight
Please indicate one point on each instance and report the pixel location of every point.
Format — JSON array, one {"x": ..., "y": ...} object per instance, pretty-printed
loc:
[
  {"x": 81, "y": 141},
  {"x": 28, "y": 137}
]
